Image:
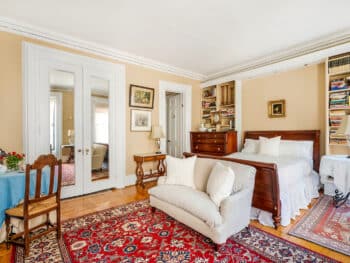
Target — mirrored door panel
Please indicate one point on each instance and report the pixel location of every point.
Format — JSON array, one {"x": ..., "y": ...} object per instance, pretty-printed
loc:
[
  {"x": 62, "y": 122},
  {"x": 99, "y": 128}
]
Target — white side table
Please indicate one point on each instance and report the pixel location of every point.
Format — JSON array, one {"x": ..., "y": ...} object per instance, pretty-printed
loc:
[{"x": 336, "y": 169}]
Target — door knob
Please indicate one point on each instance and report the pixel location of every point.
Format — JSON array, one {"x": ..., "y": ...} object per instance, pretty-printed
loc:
[
  {"x": 87, "y": 151},
  {"x": 79, "y": 150}
]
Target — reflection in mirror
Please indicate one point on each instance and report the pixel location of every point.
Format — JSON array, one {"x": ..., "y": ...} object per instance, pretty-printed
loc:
[
  {"x": 99, "y": 129},
  {"x": 62, "y": 122}
]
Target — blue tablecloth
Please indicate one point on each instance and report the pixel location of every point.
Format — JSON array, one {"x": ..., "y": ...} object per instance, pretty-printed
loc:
[{"x": 12, "y": 186}]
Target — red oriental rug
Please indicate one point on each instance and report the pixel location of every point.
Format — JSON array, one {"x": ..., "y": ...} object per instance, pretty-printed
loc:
[
  {"x": 326, "y": 225},
  {"x": 131, "y": 233}
]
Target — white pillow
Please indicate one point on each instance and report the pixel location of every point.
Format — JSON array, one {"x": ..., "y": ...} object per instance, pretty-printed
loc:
[
  {"x": 180, "y": 171},
  {"x": 303, "y": 149},
  {"x": 220, "y": 183},
  {"x": 269, "y": 146},
  {"x": 250, "y": 146}
]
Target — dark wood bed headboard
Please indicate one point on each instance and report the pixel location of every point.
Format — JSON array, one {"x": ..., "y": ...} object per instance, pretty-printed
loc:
[{"x": 305, "y": 135}]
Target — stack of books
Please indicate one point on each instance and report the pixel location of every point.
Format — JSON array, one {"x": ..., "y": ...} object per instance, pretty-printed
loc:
[
  {"x": 339, "y": 100},
  {"x": 335, "y": 118},
  {"x": 338, "y": 84}
]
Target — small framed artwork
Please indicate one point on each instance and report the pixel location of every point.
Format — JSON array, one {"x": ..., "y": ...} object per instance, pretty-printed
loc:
[
  {"x": 277, "y": 108},
  {"x": 141, "y": 120},
  {"x": 141, "y": 97}
]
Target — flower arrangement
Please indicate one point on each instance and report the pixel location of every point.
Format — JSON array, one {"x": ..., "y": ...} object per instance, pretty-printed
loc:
[{"x": 12, "y": 160}]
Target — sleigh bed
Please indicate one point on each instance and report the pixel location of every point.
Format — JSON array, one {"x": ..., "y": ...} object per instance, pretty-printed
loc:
[{"x": 267, "y": 195}]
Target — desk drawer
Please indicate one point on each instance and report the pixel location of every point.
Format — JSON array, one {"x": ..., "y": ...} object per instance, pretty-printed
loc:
[
  {"x": 209, "y": 141},
  {"x": 210, "y": 148},
  {"x": 208, "y": 136}
]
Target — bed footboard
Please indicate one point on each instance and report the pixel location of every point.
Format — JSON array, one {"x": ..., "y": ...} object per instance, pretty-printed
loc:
[{"x": 266, "y": 190}]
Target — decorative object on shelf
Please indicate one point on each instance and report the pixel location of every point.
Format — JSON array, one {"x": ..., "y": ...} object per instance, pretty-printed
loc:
[
  {"x": 13, "y": 161},
  {"x": 202, "y": 128},
  {"x": 141, "y": 120},
  {"x": 216, "y": 117},
  {"x": 70, "y": 134},
  {"x": 344, "y": 130},
  {"x": 157, "y": 134},
  {"x": 141, "y": 97},
  {"x": 277, "y": 108}
]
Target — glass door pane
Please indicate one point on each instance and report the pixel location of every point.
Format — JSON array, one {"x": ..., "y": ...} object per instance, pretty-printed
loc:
[
  {"x": 99, "y": 99},
  {"x": 62, "y": 123}
]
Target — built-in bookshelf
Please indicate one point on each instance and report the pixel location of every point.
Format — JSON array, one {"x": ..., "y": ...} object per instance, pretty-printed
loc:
[
  {"x": 338, "y": 101},
  {"x": 218, "y": 106}
]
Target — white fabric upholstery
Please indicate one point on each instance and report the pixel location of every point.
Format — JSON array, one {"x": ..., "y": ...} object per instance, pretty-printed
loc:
[
  {"x": 220, "y": 183},
  {"x": 234, "y": 210},
  {"x": 192, "y": 201},
  {"x": 180, "y": 171},
  {"x": 269, "y": 146}
]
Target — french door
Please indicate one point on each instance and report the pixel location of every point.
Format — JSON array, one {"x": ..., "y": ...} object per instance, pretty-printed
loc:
[{"x": 74, "y": 110}]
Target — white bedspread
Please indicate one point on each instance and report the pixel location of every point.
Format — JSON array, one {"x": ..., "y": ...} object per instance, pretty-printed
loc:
[{"x": 297, "y": 181}]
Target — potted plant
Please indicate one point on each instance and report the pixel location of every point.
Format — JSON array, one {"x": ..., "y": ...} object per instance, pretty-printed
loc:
[{"x": 13, "y": 160}]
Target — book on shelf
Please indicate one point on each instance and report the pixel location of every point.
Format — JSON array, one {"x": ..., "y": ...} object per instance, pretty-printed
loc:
[{"x": 339, "y": 64}]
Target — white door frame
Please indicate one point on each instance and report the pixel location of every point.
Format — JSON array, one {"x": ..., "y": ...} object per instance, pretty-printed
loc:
[
  {"x": 35, "y": 140},
  {"x": 186, "y": 91}
]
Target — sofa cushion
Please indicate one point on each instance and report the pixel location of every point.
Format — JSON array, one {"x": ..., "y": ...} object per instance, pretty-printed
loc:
[
  {"x": 180, "y": 171},
  {"x": 220, "y": 183},
  {"x": 192, "y": 201}
]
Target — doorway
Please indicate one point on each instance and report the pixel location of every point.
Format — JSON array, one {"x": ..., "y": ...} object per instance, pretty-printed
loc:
[
  {"x": 73, "y": 105},
  {"x": 174, "y": 124},
  {"x": 179, "y": 96}
]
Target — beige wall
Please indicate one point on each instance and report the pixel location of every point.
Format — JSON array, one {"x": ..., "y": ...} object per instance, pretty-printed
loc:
[
  {"x": 304, "y": 92},
  {"x": 11, "y": 97}
]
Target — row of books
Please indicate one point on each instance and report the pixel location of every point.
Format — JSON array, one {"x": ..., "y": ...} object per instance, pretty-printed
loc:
[
  {"x": 339, "y": 64},
  {"x": 339, "y": 100},
  {"x": 338, "y": 84}
]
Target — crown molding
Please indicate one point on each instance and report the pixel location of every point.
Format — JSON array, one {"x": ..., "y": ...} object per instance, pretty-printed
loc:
[
  {"x": 33, "y": 32},
  {"x": 307, "y": 53}
]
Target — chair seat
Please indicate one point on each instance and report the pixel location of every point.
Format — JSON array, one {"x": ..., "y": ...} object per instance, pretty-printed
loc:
[{"x": 33, "y": 209}]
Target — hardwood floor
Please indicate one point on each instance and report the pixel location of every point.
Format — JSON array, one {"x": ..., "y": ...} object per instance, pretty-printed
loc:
[{"x": 96, "y": 202}]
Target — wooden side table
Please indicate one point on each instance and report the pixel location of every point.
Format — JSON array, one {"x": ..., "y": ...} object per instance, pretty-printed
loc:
[{"x": 149, "y": 157}]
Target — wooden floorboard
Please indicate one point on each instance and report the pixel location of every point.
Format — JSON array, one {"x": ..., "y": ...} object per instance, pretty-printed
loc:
[{"x": 80, "y": 206}]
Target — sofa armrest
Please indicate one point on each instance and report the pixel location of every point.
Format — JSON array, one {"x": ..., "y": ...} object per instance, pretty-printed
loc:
[{"x": 237, "y": 204}]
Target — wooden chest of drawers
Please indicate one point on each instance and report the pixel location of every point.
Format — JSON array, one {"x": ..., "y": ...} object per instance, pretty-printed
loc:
[{"x": 214, "y": 143}]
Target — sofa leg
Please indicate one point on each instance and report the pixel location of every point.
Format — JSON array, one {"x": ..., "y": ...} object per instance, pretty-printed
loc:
[{"x": 216, "y": 247}]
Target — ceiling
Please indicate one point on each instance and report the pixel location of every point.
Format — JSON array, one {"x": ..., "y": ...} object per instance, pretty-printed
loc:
[{"x": 204, "y": 37}]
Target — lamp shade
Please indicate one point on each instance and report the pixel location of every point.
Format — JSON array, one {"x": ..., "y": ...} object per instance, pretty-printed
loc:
[
  {"x": 344, "y": 128},
  {"x": 157, "y": 132}
]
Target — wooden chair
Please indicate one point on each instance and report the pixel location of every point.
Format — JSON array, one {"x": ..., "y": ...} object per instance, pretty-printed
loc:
[{"x": 39, "y": 204}]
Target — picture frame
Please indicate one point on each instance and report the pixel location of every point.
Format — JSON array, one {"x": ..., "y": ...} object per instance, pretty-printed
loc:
[
  {"x": 141, "y": 97},
  {"x": 277, "y": 108},
  {"x": 141, "y": 120}
]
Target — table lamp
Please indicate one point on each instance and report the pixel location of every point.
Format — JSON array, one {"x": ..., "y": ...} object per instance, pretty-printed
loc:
[
  {"x": 344, "y": 129},
  {"x": 157, "y": 134}
]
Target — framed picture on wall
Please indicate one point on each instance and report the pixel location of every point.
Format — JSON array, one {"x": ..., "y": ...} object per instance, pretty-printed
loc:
[
  {"x": 277, "y": 108},
  {"x": 141, "y": 97},
  {"x": 141, "y": 120}
]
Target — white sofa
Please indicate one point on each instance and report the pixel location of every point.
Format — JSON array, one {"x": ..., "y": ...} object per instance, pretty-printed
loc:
[{"x": 195, "y": 209}]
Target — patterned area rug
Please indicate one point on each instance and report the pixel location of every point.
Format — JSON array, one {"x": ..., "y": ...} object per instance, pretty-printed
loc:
[
  {"x": 326, "y": 225},
  {"x": 131, "y": 233}
]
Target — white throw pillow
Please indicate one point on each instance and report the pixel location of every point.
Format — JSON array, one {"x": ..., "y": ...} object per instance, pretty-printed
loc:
[
  {"x": 180, "y": 171},
  {"x": 220, "y": 183},
  {"x": 269, "y": 146},
  {"x": 250, "y": 146}
]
